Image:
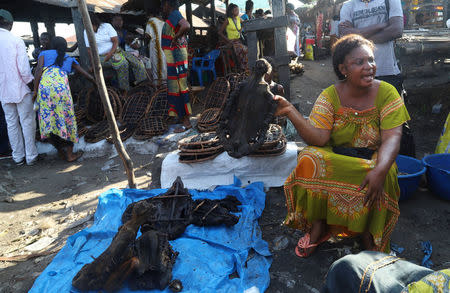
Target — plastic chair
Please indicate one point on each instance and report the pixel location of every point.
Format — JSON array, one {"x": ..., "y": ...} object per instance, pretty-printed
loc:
[{"x": 205, "y": 63}]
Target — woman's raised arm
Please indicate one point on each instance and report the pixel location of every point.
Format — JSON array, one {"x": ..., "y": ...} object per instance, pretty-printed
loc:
[{"x": 310, "y": 134}]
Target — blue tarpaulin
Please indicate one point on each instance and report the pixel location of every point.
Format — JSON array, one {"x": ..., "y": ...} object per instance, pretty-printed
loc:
[{"x": 207, "y": 255}]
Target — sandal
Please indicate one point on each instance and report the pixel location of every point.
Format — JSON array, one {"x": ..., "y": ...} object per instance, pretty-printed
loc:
[
  {"x": 304, "y": 243},
  {"x": 182, "y": 129}
]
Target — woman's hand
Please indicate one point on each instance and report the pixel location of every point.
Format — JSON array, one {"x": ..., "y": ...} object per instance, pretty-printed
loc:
[
  {"x": 108, "y": 56},
  {"x": 34, "y": 95},
  {"x": 284, "y": 106},
  {"x": 375, "y": 182},
  {"x": 175, "y": 43}
]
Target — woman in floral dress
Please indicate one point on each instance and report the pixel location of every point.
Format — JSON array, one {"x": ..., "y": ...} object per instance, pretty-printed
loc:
[{"x": 56, "y": 114}]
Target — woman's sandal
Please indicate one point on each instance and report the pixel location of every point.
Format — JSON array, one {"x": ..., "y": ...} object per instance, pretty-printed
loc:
[
  {"x": 181, "y": 129},
  {"x": 304, "y": 244}
]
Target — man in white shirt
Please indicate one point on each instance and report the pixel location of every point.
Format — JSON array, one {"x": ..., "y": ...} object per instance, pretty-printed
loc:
[
  {"x": 382, "y": 22},
  {"x": 15, "y": 95}
]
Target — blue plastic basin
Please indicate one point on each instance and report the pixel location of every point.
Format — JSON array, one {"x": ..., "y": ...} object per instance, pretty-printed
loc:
[
  {"x": 410, "y": 182},
  {"x": 438, "y": 174}
]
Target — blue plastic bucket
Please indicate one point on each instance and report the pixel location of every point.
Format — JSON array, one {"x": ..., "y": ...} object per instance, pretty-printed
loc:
[
  {"x": 410, "y": 181},
  {"x": 438, "y": 174}
]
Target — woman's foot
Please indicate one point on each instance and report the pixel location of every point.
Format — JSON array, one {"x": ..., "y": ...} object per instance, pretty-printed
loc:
[
  {"x": 71, "y": 156},
  {"x": 74, "y": 156},
  {"x": 181, "y": 129},
  {"x": 186, "y": 125},
  {"x": 309, "y": 242}
]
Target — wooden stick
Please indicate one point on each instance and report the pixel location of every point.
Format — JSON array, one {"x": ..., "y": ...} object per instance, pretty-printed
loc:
[{"x": 98, "y": 71}]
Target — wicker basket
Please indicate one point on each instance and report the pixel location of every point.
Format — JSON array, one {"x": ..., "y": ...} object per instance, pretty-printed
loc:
[
  {"x": 97, "y": 132},
  {"x": 150, "y": 127}
]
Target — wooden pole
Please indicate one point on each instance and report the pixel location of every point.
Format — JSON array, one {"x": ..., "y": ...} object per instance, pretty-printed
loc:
[
  {"x": 189, "y": 15},
  {"x": 98, "y": 71},
  {"x": 50, "y": 26},
  {"x": 79, "y": 29},
  {"x": 213, "y": 12},
  {"x": 35, "y": 30}
]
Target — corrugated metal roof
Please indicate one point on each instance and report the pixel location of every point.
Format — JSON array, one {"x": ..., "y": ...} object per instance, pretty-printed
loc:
[{"x": 102, "y": 6}]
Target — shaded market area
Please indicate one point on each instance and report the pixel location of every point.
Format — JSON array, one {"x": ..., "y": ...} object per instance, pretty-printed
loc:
[{"x": 216, "y": 204}]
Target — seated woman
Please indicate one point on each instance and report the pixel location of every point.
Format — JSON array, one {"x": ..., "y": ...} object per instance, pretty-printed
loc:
[
  {"x": 56, "y": 114},
  {"x": 333, "y": 190},
  {"x": 233, "y": 28},
  {"x": 112, "y": 55}
]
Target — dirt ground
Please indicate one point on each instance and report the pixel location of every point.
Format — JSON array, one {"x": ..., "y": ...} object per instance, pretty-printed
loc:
[{"x": 44, "y": 204}]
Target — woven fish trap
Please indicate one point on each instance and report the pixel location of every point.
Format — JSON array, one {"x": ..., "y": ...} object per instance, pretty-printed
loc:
[
  {"x": 81, "y": 128},
  {"x": 136, "y": 107},
  {"x": 279, "y": 149},
  {"x": 159, "y": 106},
  {"x": 207, "y": 128},
  {"x": 234, "y": 79},
  {"x": 273, "y": 135},
  {"x": 146, "y": 87},
  {"x": 217, "y": 93},
  {"x": 125, "y": 131},
  {"x": 198, "y": 143},
  {"x": 196, "y": 158},
  {"x": 94, "y": 106},
  {"x": 150, "y": 127},
  {"x": 97, "y": 132},
  {"x": 80, "y": 114},
  {"x": 209, "y": 119}
]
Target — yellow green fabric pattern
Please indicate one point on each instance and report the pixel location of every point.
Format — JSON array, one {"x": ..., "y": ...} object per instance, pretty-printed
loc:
[
  {"x": 443, "y": 146},
  {"x": 324, "y": 184},
  {"x": 437, "y": 282}
]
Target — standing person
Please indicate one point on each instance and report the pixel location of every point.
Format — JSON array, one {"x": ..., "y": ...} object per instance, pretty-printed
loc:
[
  {"x": 117, "y": 23},
  {"x": 45, "y": 40},
  {"x": 174, "y": 45},
  {"x": 334, "y": 30},
  {"x": 294, "y": 25},
  {"x": 157, "y": 57},
  {"x": 56, "y": 113},
  {"x": 112, "y": 55},
  {"x": 15, "y": 95},
  {"x": 233, "y": 28},
  {"x": 380, "y": 23},
  {"x": 248, "y": 11},
  {"x": 346, "y": 181}
]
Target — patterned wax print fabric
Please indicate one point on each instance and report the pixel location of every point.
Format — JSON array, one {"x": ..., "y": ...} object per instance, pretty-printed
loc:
[
  {"x": 121, "y": 62},
  {"x": 56, "y": 113},
  {"x": 372, "y": 271},
  {"x": 177, "y": 67},
  {"x": 437, "y": 282},
  {"x": 157, "y": 56},
  {"x": 324, "y": 185},
  {"x": 443, "y": 146},
  {"x": 241, "y": 52}
]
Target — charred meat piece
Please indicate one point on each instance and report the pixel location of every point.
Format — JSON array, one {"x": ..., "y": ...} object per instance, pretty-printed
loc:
[
  {"x": 156, "y": 259},
  {"x": 215, "y": 212},
  {"x": 247, "y": 114},
  {"x": 95, "y": 275}
]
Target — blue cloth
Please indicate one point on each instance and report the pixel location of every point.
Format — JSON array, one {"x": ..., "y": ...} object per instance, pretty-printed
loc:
[
  {"x": 427, "y": 250},
  {"x": 207, "y": 255},
  {"x": 50, "y": 58},
  {"x": 245, "y": 17}
]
